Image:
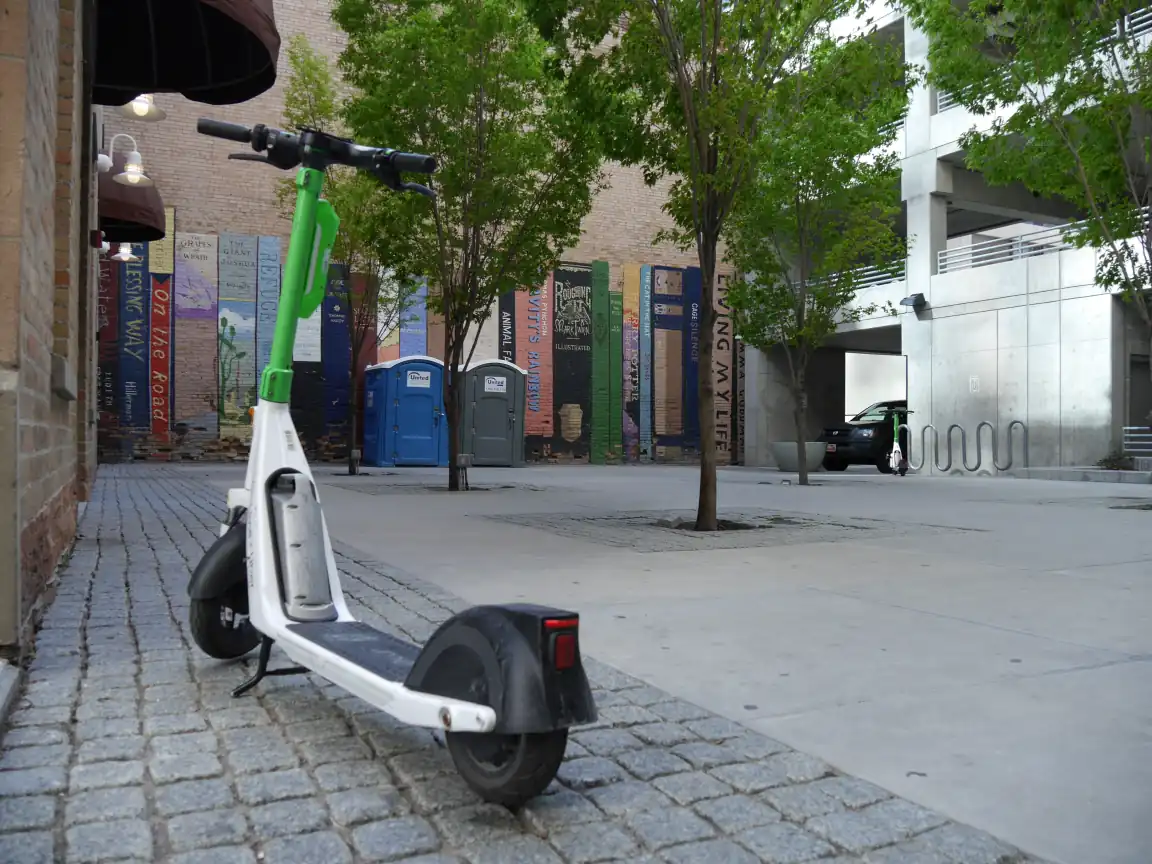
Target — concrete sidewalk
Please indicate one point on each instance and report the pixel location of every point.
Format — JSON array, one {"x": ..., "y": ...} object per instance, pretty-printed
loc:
[{"x": 126, "y": 746}]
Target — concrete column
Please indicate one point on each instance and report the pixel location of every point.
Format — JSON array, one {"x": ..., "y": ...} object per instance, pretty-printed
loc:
[
  {"x": 927, "y": 236},
  {"x": 918, "y": 126}
]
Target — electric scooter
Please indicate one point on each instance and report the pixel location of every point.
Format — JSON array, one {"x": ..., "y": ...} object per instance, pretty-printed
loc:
[
  {"x": 504, "y": 683},
  {"x": 897, "y": 461}
]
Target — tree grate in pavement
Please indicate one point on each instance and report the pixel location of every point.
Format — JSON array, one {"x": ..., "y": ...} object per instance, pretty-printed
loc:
[{"x": 663, "y": 531}]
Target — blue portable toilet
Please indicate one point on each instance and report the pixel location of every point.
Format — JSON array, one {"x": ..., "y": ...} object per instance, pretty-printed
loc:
[{"x": 404, "y": 422}]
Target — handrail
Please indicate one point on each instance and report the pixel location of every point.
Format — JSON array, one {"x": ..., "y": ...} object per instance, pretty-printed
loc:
[
  {"x": 944, "y": 469},
  {"x": 1044, "y": 241}
]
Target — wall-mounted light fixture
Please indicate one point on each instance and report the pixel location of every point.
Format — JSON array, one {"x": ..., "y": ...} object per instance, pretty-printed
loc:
[
  {"x": 133, "y": 173},
  {"x": 916, "y": 301},
  {"x": 124, "y": 254},
  {"x": 143, "y": 107}
]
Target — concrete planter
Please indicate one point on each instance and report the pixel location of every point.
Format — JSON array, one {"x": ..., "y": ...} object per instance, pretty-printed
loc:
[{"x": 784, "y": 453}]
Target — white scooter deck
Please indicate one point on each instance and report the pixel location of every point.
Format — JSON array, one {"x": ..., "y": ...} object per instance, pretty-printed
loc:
[{"x": 365, "y": 661}]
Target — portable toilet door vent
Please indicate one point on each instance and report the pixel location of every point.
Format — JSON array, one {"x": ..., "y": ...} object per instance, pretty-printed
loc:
[{"x": 415, "y": 418}]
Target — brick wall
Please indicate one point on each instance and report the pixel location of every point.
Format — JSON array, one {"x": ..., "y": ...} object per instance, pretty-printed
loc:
[
  {"x": 43, "y": 271},
  {"x": 213, "y": 195}
]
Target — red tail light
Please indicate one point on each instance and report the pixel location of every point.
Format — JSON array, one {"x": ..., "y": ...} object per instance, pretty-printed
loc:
[
  {"x": 553, "y": 624},
  {"x": 564, "y": 651}
]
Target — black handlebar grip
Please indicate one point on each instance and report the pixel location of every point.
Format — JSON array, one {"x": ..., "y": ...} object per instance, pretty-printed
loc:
[
  {"x": 414, "y": 163},
  {"x": 221, "y": 129}
]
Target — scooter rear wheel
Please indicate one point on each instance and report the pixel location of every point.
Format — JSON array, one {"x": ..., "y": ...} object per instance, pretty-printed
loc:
[
  {"x": 217, "y": 631},
  {"x": 507, "y": 769}
]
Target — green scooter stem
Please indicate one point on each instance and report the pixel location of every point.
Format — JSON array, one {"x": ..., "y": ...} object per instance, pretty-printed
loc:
[{"x": 314, "y": 227}]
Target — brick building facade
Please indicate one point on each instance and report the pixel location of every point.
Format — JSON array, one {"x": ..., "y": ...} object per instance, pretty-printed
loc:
[
  {"x": 47, "y": 362},
  {"x": 212, "y": 195}
]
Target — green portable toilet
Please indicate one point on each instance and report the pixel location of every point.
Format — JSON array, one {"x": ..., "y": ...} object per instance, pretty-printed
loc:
[{"x": 495, "y": 400}]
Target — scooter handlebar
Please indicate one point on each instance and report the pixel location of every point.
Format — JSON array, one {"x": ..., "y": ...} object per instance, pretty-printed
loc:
[
  {"x": 412, "y": 163},
  {"x": 225, "y": 130}
]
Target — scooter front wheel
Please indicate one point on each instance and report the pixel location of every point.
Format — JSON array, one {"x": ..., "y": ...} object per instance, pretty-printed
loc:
[
  {"x": 509, "y": 770},
  {"x": 218, "y": 631}
]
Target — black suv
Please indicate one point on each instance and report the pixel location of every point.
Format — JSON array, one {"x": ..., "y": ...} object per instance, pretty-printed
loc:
[{"x": 866, "y": 439}]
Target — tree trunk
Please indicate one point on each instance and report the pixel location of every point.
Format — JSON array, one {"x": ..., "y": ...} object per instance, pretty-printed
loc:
[
  {"x": 451, "y": 415},
  {"x": 452, "y": 412},
  {"x": 353, "y": 427},
  {"x": 800, "y": 415},
  {"x": 706, "y": 503}
]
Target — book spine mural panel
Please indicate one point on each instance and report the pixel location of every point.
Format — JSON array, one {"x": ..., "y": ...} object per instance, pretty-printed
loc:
[
  {"x": 738, "y": 430},
  {"x": 236, "y": 312},
  {"x": 668, "y": 361},
  {"x": 616, "y": 364},
  {"x": 532, "y": 317},
  {"x": 506, "y": 321},
  {"x": 601, "y": 364},
  {"x": 414, "y": 324},
  {"x": 722, "y": 377},
  {"x": 307, "y": 405},
  {"x": 572, "y": 349},
  {"x": 337, "y": 353},
  {"x": 693, "y": 295},
  {"x": 630, "y": 339},
  {"x": 267, "y": 299},
  {"x": 484, "y": 343},
  {"x": 135, "y": 402},
  {"x": 108, "y": 356},
  {"x": 161, "y": 263},
  {"x": 160, "y": 358},
  {"x": 195, "y": 418},
  {"x": 647, "y": 401}
]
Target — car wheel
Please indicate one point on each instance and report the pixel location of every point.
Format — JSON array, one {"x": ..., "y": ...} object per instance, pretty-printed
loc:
[{"x": 882, "y": 465}]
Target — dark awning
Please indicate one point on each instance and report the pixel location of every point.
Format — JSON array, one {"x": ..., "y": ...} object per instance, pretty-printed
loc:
[
  {"x": 129, "y": 214},
  {"x": 219, "y": 52}
]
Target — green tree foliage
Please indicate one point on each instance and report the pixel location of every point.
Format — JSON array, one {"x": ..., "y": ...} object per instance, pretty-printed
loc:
[
  {"x": 467, "y": 81},
  {"x": 682, "y": 87},
  {"x": 1069, "y": 88},
  {"x": 822, "y": 205},
  {"x": 372, "y": 238}
]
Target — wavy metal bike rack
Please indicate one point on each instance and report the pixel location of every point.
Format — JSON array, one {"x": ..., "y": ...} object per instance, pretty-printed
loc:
[{"x": 947, "y": 467}]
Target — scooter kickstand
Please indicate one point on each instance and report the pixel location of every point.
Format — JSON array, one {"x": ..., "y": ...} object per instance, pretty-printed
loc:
[{"x": 262, "y": 670}]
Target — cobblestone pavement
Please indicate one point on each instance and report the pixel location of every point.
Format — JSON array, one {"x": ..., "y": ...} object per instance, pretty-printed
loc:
[{"x": 126, "y": 745}]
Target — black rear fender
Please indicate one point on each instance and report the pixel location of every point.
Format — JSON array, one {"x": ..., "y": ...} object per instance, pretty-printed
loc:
[
  {"x": 223, "y": 571},
  {"x": 506, "y": 657}
]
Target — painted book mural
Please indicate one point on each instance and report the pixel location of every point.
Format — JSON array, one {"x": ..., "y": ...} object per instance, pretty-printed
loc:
[
  {"x": 184, "y": 333},
  {"x": 611, "y": 354}
]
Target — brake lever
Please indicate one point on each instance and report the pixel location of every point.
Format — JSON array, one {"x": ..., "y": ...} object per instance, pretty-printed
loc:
[
  {"x": 418, "y": 189},
  {"x": 249, "y": 157}
]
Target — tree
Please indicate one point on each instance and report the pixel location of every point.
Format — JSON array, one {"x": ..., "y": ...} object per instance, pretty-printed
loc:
[
  {"x": 467, "y": 81},
  {"x": 821, "y": 207},
  {"x": 371, "y": 235},
  {"x": 1070, "y": 88},
  {"x": 681, "y": 88}
]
